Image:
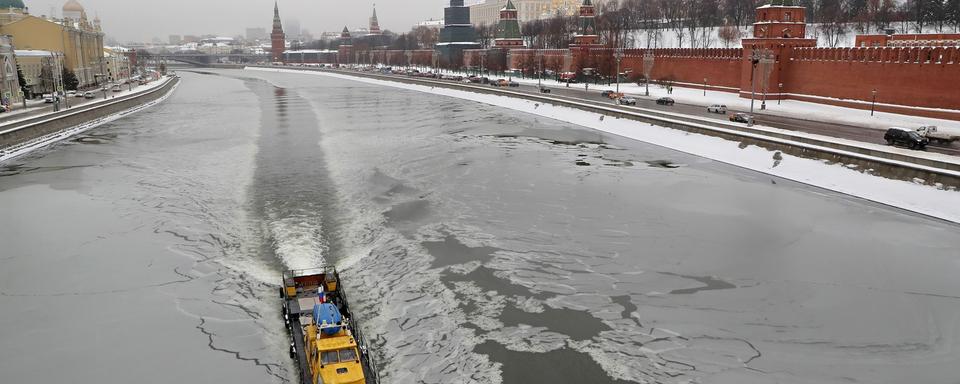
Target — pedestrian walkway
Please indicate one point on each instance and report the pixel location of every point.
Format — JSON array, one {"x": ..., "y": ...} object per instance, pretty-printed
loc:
[{"x": 37, "y": 108}]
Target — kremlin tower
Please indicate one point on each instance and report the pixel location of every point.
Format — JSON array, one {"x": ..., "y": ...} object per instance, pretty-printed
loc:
[
  {"x": 277, "y": 38},
  {"x": 508, "y": 28},
  {"x": 587, "y": 33},
  {"x": 374, "y": 23},
  {"x": 457, "y": 34}
]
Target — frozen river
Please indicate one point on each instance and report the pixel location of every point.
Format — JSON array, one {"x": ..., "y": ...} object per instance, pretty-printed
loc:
[{"x": 478, "y": 244}]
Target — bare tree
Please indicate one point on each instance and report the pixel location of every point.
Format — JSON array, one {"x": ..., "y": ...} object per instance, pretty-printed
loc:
[
  {"x": 832, "y": 21},
  {"x": 953, "y": 14},
  {"x": 729, "y": 35},
  {"x": 485, "y": 34}
]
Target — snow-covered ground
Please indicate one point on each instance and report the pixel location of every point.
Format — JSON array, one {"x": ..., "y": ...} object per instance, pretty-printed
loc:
[
  {"x": 669, "y": 38},
  {"x": 933, "y": 201}
]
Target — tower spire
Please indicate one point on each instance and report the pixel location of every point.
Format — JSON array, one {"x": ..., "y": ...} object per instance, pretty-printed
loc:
[{"x": 374, "y": 22}]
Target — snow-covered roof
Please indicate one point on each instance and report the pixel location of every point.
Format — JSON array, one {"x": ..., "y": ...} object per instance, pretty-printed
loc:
[
  {"x": 780, "y": 6},
  {"x": 311, "y": 51},
  {"x": 32, "y": 53}
]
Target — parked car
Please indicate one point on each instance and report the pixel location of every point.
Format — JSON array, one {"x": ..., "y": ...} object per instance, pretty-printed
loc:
[
  {"x": 117, "y": 88},
  {"x": 909, "y": 139},
  {"x": 48, "y": 98},
  {"x": 78, "y": 95},
  {"x": 544, "y": 89},
  {"x": 627, "y": 100},
  {"x": 740, "y": 117},
  {"x": 665, "y": 101},
  {"x": 717, "y": 108},
  {"x": 88, "y": 95}
]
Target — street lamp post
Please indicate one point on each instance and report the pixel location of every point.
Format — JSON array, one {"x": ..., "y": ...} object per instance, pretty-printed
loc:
[
  {"x": 619, "y": 56},
  {"x": 780, "y": 93},
  {"x": 754, "y": 59},
  {"x": 540, "y": 68},
  {"x": 704, "y": 86},
  {"x": 873, "y": 104},
  {"x": 648, "y": 61},
  {"x": 483, "y": 55}
]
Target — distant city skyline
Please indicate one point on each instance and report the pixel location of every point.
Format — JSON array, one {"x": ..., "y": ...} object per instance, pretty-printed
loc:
[{"x": 142, "y": 20}]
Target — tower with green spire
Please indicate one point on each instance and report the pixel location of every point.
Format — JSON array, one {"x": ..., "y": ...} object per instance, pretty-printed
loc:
[
  {"x": 508, "y": 28},
  {"x": 587, "y": 31},
  {"x": 17, "y": 4}
]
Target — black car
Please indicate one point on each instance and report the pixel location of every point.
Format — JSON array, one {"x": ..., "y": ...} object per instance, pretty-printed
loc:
[
  {"x": 910, "y": 139},
  {"x": 544, "y": 90},
  {"x": 665, "y": 101},
  {"x": 740, "y": 118}
]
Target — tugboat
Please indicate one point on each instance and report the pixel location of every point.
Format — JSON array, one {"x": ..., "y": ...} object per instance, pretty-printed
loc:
[{"x": 324, "y": 339}]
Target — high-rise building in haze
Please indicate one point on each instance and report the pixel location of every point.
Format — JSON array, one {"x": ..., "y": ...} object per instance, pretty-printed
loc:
[
  {"x": 176, "y": 39},
  {"x": 291, "y": 28},
  {"x": 256, "y": 34}
]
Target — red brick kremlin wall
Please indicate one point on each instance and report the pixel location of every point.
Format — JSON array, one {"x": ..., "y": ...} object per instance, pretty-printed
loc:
[{"x": 925, "y": 77}]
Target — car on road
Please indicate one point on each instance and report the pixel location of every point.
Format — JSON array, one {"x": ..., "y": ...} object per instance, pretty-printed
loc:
[
  {"x": 740, "y": 117},
  {"x": 665, "y": 101},
  {"x": 627, "y": 100},
  {"x": 513, "y": 84},
  {"x": 909, "y": 139},
  {"x": 937, "y": 136},
  {"x": 48, "y": 99},
  {"x": 78, "y": 95},
  {"x": 117, "y": 88},
  {"x": 606, "y": 93},
  {"x": 88, "y": 95},
  {"x": 544, "y": 89},
  {"x": 717, "y": 108},
  {"x": 500, "y": 83}
]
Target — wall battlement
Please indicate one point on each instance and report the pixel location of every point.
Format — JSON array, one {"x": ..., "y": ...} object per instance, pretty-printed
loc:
[{"x": 905, "y": 55}]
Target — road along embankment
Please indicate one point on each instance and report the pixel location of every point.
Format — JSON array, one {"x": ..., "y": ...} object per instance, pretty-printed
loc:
[
  {"x": 23, "y": 136},
  {"x": 895, "y": 163}
]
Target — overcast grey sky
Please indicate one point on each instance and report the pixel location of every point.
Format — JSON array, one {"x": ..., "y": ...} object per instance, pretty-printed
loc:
[{"x": 141, "y": 20}]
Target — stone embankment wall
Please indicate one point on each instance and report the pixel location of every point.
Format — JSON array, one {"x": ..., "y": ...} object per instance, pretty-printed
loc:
[{"x": 21, "y": 132}]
